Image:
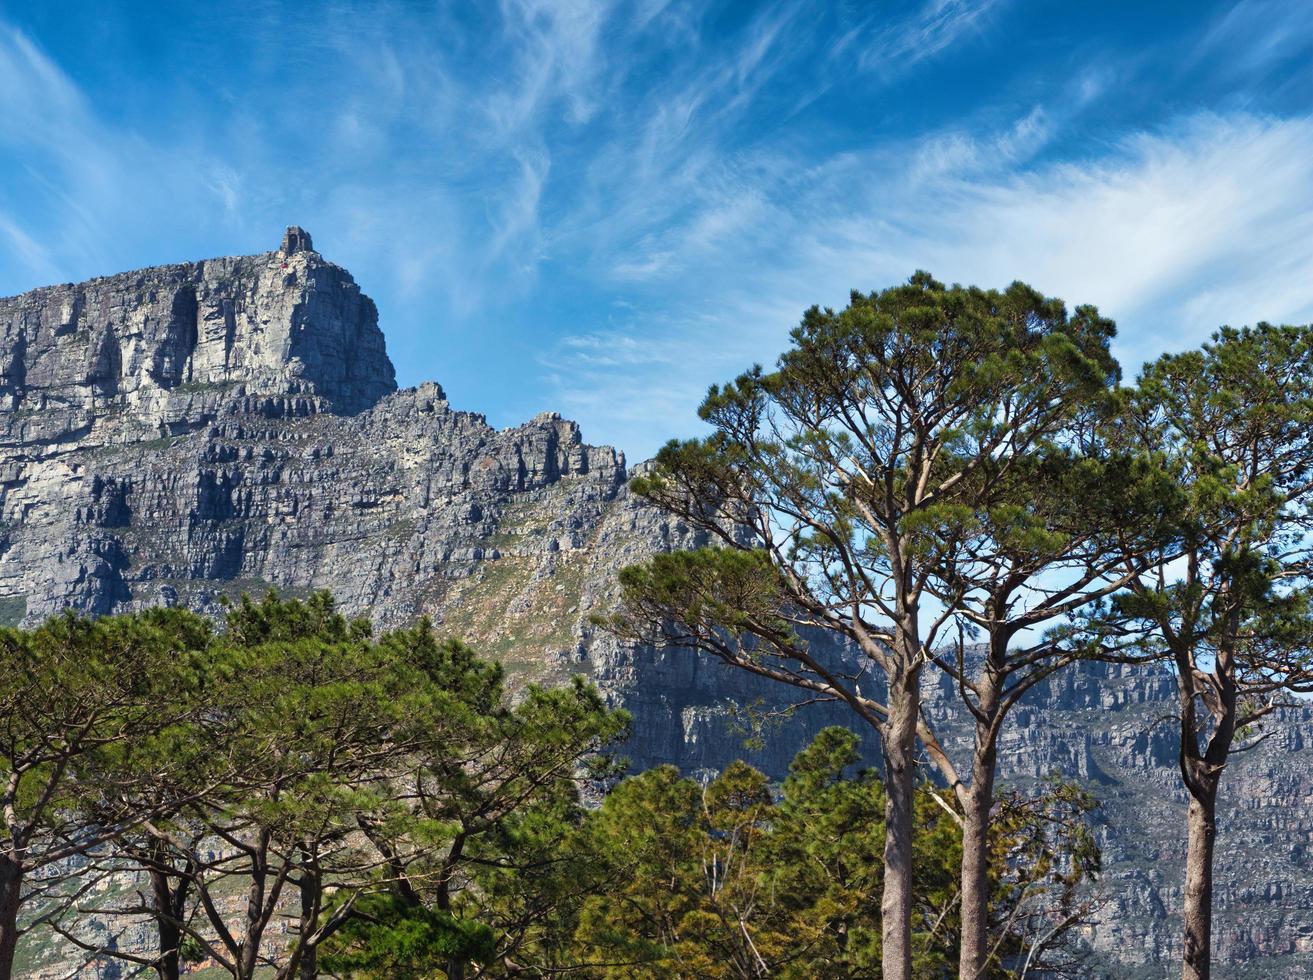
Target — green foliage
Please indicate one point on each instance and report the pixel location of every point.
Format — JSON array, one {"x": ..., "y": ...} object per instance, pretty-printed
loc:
[
  {"x": 925, "y": 446},
  {"x": 1231, "y": 425},
  {"x": 80, "y": 696},
  {"x": 727, "y": 880},
  {"x": 492, "y": 809},
  {"x": 713, "y": 588},
  {"x": 929, "y": 460},
  {"x": 854, "y": 453},
  {"x": 428, "y": 825},
  {"x": 387, "y": 783},
  {"x": 92, "y": 711},
  {"x": 387, "y": 937}
]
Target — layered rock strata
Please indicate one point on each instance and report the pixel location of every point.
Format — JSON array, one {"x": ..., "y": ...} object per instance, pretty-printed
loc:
[{"x": 184, "y": 433}]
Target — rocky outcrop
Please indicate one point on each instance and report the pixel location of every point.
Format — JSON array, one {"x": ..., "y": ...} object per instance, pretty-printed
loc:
[
  {"x": 1112, "y": 729},
  {"x": 180, "y": 434},
  {"x": 157, "y": 353}
]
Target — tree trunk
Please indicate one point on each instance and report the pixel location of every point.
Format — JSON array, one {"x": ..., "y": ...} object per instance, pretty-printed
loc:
[
  {"x": 1198, "y": 911},
  {"x": 248, "y": 956},
  {"x": 978, "y": 805},
  {"x": 168, "y": 965},
  {"x": 899, "y": 745},
  {"x": 1201, "y": 771},
  {"x": 11, "y": 894},
  {"x": 455, "y": 967},
  {"x": 311, "y": 895}
]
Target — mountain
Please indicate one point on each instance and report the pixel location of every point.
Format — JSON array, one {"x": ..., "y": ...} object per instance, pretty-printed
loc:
[{"x": 183, "y": 433}]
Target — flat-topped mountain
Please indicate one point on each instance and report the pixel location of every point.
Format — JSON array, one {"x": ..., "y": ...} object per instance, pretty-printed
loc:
[
  {"x": 149, "y": 353},
  {"x": 176, "y": 433},
  {"x": 187, "y": 432}
]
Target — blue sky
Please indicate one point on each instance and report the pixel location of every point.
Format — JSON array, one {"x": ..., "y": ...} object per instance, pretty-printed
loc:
[{"x": 600, "y": 208}]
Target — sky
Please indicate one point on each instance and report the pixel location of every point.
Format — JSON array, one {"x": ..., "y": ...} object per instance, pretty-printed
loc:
[{"x": 600, "y": 208}]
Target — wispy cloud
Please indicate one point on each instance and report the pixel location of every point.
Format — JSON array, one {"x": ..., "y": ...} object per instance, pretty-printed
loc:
[
  {"x": 620, "y": 203},
  {"x": 1212, "y": 204},
  {"x": 570, "y": 128},
  {"x": 96, "y": 187},
  {"x": 558, "y": 59},
  {"x": 1252, "y": 34},
  {"x": 936, "y": 26},
  {"x": 1173, "y": 231},
  {"x": 33, "y": 256}
]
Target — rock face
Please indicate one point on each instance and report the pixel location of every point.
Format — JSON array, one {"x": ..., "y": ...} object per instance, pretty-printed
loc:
[
  {"x": 146, "y": 354},
  {"x": 1112, "y": 729},
  {"x": 178, "y": 434}
]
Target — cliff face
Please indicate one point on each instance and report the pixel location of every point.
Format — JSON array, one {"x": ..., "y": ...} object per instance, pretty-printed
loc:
[
  {"x": 1112, "y": 729},
  {"x": 177, "y": 434},
  {"x": 147, "y": 353}
]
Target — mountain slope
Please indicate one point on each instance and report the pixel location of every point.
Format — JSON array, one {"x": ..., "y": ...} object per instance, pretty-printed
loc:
[{"x": 179, "y": 434}]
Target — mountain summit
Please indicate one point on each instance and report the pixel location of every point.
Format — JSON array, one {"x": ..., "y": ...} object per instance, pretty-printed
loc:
[
  {"x": 185, "y": 433},
  {"x": 151, "y": 353}
]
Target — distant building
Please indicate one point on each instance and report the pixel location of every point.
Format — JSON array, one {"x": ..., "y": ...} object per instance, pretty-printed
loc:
[{"x": 296, "y": 239}]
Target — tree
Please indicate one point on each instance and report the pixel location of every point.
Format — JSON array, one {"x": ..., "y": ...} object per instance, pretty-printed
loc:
[
  {"x": 388, "y": 936},
  {"x": 76, "y": 692},
  {"x": 128, "y": 782},
  {"x": 1030, "y": 544},
  {"x": 312, "y": 721},
  {"x": 1228, "y": 599},
  {"x": 723, "y": 880},
  {"x": 694, "y": 902},
  {"x": 291, "y": 731},
  {"x": 473, "y": 849},
  {"x": 383, "y": 787},
  {"x": 824, "y": 484}
]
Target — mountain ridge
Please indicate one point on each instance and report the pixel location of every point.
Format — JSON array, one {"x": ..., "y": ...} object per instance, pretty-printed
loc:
[{"x": 184, "y": 433}]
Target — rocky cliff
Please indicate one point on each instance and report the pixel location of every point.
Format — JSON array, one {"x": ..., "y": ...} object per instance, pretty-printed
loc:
[
  {"x": 1113, "y": 730},
  {"x": 177, "y": 434}
]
